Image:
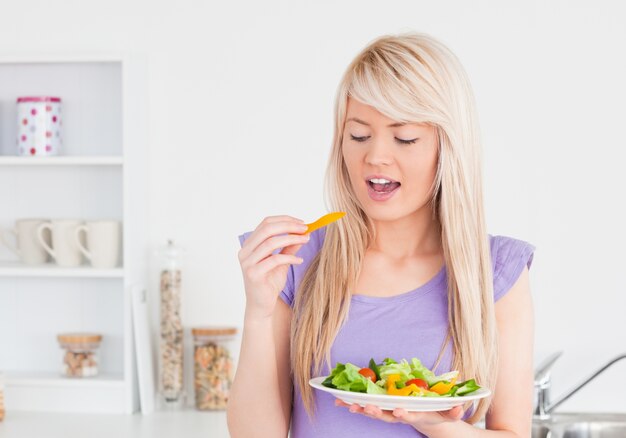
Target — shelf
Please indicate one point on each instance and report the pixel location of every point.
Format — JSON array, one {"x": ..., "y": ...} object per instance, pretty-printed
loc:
[
  {"x": 187, "y": 423},
  {"x": 62, "y": 161},
  {"x": 51, "y": 379},
  {"x": 51, "y": 58},
  {"x": 14, "y": 269},
  {"x": 51, "y": 392}
]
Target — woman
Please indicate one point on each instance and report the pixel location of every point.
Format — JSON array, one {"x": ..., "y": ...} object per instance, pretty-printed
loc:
[{"x": 406, "y": 167}]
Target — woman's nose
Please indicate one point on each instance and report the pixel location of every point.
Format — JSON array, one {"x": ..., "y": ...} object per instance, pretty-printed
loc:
[{"x": 379, "y": 154}]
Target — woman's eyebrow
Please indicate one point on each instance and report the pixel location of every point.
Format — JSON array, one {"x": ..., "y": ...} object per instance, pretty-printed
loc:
[{"x": 393, "y": 125}]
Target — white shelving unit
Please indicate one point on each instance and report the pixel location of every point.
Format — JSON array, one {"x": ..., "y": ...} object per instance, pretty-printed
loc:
[
  {"x": 61, "y": 161},
  {"x": 100, "y": 174},
  {"x": 15, "y": 269}
]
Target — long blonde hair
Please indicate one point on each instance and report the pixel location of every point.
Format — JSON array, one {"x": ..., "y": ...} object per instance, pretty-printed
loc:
[{"x": 408, "y": 78}]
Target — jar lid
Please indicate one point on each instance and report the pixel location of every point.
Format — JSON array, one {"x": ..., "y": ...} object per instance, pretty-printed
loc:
[
  {"x": 171, "y": 250},
  {"x": 213, "y": 331},
  {"x": 38, "y": 99},
  {"x": 79, "y": 338}
]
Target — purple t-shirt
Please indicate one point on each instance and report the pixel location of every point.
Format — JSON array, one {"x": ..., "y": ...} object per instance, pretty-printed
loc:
[{"x": 411, "y": 324}]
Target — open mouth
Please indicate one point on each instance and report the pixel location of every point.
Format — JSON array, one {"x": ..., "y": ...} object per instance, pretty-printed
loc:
[
  {"x": 382, "y": 185},
  {"x": 381, "y": 188}
]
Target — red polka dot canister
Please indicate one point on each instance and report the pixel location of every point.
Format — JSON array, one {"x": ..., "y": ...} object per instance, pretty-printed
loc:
[{"x": 38, "y": 125}]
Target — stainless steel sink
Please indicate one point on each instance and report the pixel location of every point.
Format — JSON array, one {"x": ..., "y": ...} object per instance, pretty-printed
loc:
[
  {"x": 584, "y": 425},
  {"x": 550, "y": 424}
]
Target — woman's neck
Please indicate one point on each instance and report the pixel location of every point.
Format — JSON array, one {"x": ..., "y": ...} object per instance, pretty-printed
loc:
[{"x": 410, "y": 236}]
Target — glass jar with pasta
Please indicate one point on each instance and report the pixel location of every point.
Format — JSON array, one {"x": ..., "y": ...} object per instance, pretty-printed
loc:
[
  {"x": 171, "y": 340},
  {"x": 80, "y": 353},
  {"x": 213, "y": 366}
]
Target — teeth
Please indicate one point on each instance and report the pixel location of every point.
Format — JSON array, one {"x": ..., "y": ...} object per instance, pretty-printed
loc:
[{"x": 379, "y": 181}]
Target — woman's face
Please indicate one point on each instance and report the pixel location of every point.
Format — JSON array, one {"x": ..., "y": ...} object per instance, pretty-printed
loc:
[{"x": 392, "y": 166}]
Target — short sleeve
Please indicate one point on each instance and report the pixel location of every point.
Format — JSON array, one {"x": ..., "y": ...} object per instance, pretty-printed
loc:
[
  {"x": 509, "y": 257},
  {"x": 296, "y": 272}
]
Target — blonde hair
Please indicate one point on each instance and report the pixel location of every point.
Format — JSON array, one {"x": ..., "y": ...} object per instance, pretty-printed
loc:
[{"x": 408, "y": 78}]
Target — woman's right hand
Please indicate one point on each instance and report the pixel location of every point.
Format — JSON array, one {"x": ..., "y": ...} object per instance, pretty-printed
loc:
[{"x": 264, "y": 273}]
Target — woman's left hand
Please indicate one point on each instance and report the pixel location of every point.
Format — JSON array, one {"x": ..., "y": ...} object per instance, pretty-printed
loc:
[{"x": 419, "y": 420}]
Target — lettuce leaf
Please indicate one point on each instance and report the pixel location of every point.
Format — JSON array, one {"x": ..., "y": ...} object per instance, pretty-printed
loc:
[
  {"x": 347, "y": 378},
  {"x": 419, "y": 371},
  {"x": 466, "y": 387},
  {"x": 392, "y": 367},
  {"x": 328, "y": 382}
]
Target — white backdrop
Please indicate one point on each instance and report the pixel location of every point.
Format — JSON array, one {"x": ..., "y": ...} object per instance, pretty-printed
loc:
[{"x": 241, "y": 98}]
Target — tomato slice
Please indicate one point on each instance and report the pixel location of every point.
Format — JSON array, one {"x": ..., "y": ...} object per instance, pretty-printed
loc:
[
  {"x": 417, "y": 382},
  {"x": 368, "y": 373}
]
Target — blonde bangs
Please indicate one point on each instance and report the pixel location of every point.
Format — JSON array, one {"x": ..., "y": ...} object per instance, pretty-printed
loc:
[{"x": 377, "y": 81}]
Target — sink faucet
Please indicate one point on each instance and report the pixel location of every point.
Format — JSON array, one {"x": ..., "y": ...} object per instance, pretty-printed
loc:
[{"x": 543, "y": 382}]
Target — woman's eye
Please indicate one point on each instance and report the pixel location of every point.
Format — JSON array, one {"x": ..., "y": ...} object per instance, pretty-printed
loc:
[
  {"x": 399, "y": 140},
  {"x": 359, "y": 139}
]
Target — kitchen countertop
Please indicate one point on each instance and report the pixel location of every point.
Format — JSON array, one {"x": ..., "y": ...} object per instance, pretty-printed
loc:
[{"x": 187, "y": 423}]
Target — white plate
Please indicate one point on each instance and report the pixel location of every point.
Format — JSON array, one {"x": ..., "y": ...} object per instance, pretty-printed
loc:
[{"x": 390, "y": 402}]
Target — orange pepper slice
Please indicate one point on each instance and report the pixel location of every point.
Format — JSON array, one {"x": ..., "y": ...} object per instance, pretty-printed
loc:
[
  {"x": 392, "y": 390},
  {"x": 324, "y": 220},
  {"x": 441, "y": 387}
]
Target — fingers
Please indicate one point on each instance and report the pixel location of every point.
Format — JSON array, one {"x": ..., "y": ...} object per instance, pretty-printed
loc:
[
  {"x": 402, "y": 415},
  {"x": 373, "y": 411},
  {"x": 456, "y": 413},
  {"x": 378, "y": 414},
  {"x": 399, "y": 413},
  {"x": 280, "y": 218},
  {"x": 351, "y": 407},
  {"x": 276, "y": 260},
  {"x": 369, "y": 411},
  {"x": 272, "y": 228},
  {"x": 265, "y": 249},
  {"x": 291, "y": 249}
]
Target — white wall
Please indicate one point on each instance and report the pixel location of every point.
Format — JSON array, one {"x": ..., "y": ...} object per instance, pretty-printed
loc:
[{"x": 240, "y": 126}]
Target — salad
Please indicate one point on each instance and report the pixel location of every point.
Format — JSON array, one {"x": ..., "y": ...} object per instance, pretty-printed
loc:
[{"x": 398, "y": 378}]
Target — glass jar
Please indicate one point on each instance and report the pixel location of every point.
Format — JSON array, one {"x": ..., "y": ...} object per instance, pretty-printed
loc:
[
  {"x": 80, "y": 358},
  {"x": 171, "y": 340},
  {"x": 213, "y": 366},
  {"x": 38, "y": 125}
]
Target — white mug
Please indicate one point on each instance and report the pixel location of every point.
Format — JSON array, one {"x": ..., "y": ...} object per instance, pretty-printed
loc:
[
  {"x": 103, "y": 243},
  {"x": 28, "y": 248},
  {"x": 64, "y": 249}
]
